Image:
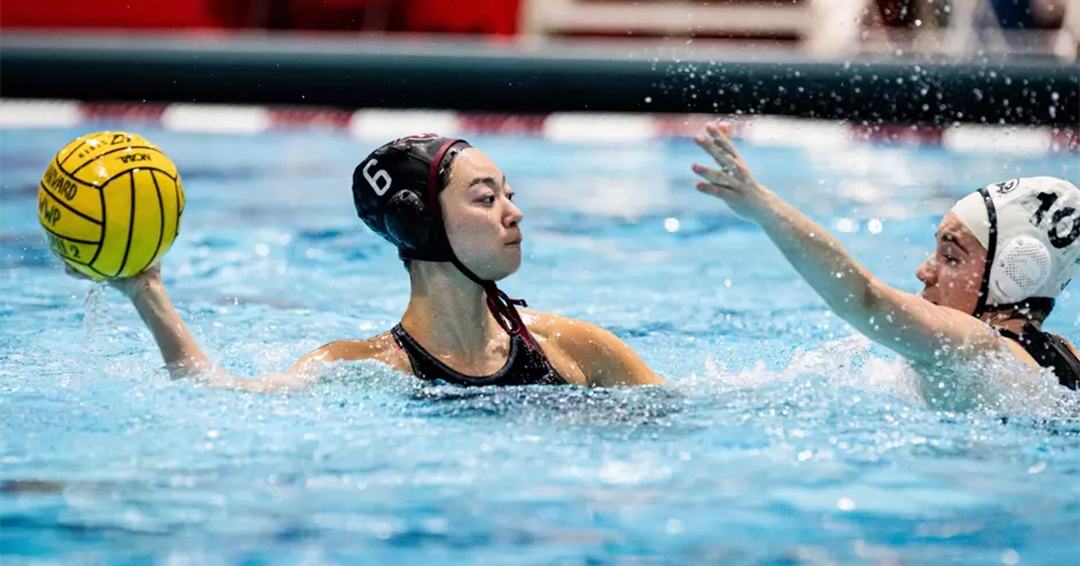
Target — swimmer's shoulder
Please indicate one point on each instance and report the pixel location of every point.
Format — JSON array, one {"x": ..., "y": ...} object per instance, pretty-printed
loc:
[
  {"x": 559, "y": 332},
  {"x": 548, "y": 331},
  {"x": 1017, "y": 350},
  {"x": 380, "y": 348},
  {"x": 556, "y": 328},
  {"x": 585, "y": 353}
]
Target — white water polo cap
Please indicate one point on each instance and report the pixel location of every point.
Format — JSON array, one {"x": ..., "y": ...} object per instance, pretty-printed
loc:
[{"x": 1030, "y": 228}]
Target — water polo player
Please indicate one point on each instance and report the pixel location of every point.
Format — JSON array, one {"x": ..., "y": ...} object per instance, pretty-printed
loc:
[
  {"x": 1004, "y": 253},
  {"x": 448, "y": 209}
]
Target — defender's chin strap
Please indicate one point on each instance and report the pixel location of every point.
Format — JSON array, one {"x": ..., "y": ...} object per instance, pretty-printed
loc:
[
  {"x": 1039, "y": 304},
  {"x": 991, "y": 251}
]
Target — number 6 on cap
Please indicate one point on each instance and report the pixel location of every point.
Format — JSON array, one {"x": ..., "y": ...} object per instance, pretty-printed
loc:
[{"x": 380, "y": 181}]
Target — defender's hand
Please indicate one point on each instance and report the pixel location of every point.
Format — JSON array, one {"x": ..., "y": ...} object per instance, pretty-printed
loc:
[{"x": 732, "y": 181}]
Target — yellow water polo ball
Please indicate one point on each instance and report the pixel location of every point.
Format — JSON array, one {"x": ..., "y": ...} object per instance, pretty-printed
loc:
[{"x": 110, "y": 204}]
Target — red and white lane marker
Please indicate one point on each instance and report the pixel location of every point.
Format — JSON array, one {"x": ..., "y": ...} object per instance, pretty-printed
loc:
[{"x": 375, "y": 125}]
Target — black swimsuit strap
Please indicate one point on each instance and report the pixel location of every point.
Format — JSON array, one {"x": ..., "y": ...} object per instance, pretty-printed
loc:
[
  {"x": 1009, "y": 334},
  {"x": 1050, "y": 351}
]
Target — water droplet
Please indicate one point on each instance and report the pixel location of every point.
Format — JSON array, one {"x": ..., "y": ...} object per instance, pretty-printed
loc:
[{"x": 673, "y": 526}]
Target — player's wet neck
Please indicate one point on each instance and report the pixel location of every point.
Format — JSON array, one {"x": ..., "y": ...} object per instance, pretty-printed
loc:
[
  {"x": 1010, "y": 320},
  {"x": 448, "y": 313}
]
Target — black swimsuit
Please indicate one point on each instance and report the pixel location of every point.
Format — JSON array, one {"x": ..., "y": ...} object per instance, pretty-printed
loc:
[
  {"x": 1049, "y": 351},
  {"x": 526, "y": 365}
]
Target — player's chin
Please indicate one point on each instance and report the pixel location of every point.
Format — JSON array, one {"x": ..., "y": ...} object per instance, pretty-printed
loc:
[{"x": 508, "y": 263}]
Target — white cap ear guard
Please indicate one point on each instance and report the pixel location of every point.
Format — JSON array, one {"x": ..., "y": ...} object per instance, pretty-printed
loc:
[
  {"x": 1030, "y": 228},
  {"x": 1020, "y": 270}
]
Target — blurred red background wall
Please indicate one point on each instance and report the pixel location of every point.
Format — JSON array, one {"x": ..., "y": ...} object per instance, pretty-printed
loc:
[{"x": 498, "y": 17}]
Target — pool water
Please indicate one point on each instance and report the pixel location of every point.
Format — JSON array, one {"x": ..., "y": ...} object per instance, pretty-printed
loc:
[{"x": 782, "y": 439}]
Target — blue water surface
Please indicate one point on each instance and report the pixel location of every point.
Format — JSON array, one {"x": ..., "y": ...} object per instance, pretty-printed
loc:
[{"x": 781, "y": 439}]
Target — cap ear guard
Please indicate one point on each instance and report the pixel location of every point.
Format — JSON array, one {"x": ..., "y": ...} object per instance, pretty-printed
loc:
[
  {"x": 1020, "y": 270},
  {"x": 409, "y": 224}
]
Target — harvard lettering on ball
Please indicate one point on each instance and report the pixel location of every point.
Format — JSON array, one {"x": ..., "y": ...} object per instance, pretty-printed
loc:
[
  {"x": 60, "y": 184},
  {"x": 69, "y": 219}
]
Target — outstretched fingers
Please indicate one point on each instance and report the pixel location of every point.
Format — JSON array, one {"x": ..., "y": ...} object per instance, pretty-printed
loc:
[
  {"x": 716, "y": 189},
  {"x": 716, "y": 182},
  {"x": 720, "y": 149},
  {"x": 711, "y": 175},
  {"x": 721, "y": 136}
]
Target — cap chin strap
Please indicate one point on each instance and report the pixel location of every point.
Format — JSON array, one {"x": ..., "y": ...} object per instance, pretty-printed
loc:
[
  {"x": 1043, "y": 304},
  {"x": 436, "y": 256},
  {"x": 1040, "y": 304},
  {"x": 502, "y": 307},
  {"x": 991, "y": 251}
]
